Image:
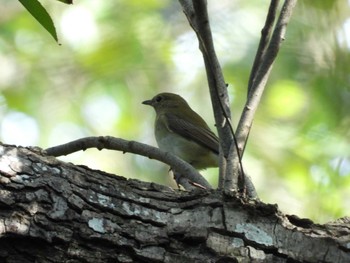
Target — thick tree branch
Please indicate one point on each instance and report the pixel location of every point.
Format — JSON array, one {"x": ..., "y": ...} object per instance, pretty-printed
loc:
[
  {"x": 111, "y": 143},
  {"x": 262, "y": 74},
  {"x": 52, "y": 211}
]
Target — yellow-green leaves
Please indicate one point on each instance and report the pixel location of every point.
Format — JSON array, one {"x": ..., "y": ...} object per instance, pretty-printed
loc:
[{"x": 286, "y": 99}]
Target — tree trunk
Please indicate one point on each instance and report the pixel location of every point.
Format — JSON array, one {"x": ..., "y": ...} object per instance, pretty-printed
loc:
[{"x": 51, "y": 211}]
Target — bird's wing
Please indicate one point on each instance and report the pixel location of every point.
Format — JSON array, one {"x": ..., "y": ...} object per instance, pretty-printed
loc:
[{"x": 201, "y": 135}]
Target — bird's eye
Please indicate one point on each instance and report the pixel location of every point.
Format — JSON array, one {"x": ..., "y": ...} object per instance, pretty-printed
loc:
[{"x": 158, "y": 98}]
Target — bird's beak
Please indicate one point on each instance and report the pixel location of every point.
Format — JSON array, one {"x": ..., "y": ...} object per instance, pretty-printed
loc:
[{"x": 147, "y": 102}]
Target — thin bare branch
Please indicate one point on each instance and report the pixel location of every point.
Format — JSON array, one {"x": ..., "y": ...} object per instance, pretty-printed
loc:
[
  {"x": 264, "y": 40},
  {"x": 262, "y": 75},
  {"x": 230, "y": 172},
  {"x": 216, "y": 81},
  {"x": 197, "y": 15},
  {"x": 111, "y": 143}
]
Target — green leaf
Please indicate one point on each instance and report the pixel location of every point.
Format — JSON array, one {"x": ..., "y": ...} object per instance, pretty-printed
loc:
[
  {"x": 41, "y": 15},
  {"x": 66, "y": 1}
]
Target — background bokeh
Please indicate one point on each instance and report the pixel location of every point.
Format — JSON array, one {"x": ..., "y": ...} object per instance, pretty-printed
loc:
[{"x": 115, "y": 54}]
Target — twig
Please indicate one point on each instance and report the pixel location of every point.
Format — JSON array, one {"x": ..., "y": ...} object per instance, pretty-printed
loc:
[
  {"x": 111, "y": 143},
  {"x": 263, "y": 72},
  {"x": 264, "y": 40}
]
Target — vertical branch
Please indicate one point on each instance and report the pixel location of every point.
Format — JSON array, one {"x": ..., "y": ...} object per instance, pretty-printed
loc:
[
  {"x": 230, "y": 160},
  {"x": 264, "y": 41},
  {"x": 197, "y": 15},
  {"x": 230, "y": 156},
  {"x": 262, "y": 74}
]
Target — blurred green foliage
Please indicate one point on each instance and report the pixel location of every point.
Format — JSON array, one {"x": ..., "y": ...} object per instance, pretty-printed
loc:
[{"x": 115, "y": 54}]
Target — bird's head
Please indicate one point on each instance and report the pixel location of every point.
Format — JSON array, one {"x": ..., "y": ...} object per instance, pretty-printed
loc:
[{"x": 166, "y": 101}]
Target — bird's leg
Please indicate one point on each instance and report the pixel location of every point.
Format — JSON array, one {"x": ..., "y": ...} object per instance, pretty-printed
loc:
[
  {"x": 177, "y": 177},
  {"x": 185, "y": 182}
]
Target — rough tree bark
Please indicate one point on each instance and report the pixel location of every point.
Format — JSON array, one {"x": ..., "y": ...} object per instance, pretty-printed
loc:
[{"x": 51, "y": 211}]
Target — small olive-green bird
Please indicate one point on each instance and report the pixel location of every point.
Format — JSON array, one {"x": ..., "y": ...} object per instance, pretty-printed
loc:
[{"x": 180, "y": 130}]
